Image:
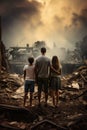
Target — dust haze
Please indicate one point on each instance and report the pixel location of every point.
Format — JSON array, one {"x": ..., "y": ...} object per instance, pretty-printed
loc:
[{"x": 62, "y": 22}]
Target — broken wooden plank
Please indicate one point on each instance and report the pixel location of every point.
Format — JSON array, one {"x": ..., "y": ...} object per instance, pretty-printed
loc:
[
  {"x": 7, "y": 127},
  {"x": 47, "y": 124},
  {"x": 78, "y": 122},
  {"x": 85, "y": 92},
  {"x": 17, "y": 113},
  {"x": 83, "y": 78}
]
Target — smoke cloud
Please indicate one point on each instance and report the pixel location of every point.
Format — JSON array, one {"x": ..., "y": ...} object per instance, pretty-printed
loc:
[{"x": 27, "y": 21}]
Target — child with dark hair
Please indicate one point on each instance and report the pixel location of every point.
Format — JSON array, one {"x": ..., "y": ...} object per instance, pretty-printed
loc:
[
  {"x": 55, "y": 82},
  {"x": 29, "y": 77}
]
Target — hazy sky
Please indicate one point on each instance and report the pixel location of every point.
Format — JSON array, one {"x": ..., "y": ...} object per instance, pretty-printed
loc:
[{"x": 62, "y": 22}]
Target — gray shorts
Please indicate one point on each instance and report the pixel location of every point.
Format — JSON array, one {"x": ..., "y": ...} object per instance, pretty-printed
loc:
[{"x": 43, "y": 85}]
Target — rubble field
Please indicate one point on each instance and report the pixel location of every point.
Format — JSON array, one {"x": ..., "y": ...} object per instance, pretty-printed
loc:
[{"x": 71, "y": 114}]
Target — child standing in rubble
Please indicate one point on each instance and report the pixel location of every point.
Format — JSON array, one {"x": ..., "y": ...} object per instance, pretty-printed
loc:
[
  {"x": 55, "y": 80},
  {"x": 29, "y": 77}
]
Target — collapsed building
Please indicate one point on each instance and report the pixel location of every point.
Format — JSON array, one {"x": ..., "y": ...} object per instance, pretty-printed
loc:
[{"x": 17, "y": 56}]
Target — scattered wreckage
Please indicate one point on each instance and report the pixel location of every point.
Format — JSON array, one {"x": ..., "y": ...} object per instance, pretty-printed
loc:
[{"x": 70, "y": 115}]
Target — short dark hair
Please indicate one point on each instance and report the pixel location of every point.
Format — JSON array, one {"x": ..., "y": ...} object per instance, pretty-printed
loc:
[
  {"x": 43, "y": 50},
  {"x": 31, "y": 60}
]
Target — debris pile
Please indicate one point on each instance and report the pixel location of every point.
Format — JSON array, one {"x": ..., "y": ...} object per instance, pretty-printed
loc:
[
  {"x": 69, "y": 115},
  {"x": 76, "y": 82},
  {"x": 77, "y": 79},
  {"x": 9, "y": 83}
]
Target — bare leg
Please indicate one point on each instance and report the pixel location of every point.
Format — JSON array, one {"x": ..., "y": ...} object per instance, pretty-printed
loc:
[
  {"x": 53, "y": 96},
  {"x": 46, "y": 97},
  {"x": 25, "y": 97},
  {"x": 51, "y": 92},
  {"x": 31, "y": 95},
  {"x": 57, "y": 97},
  {"x": 39, "y": 97}
]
